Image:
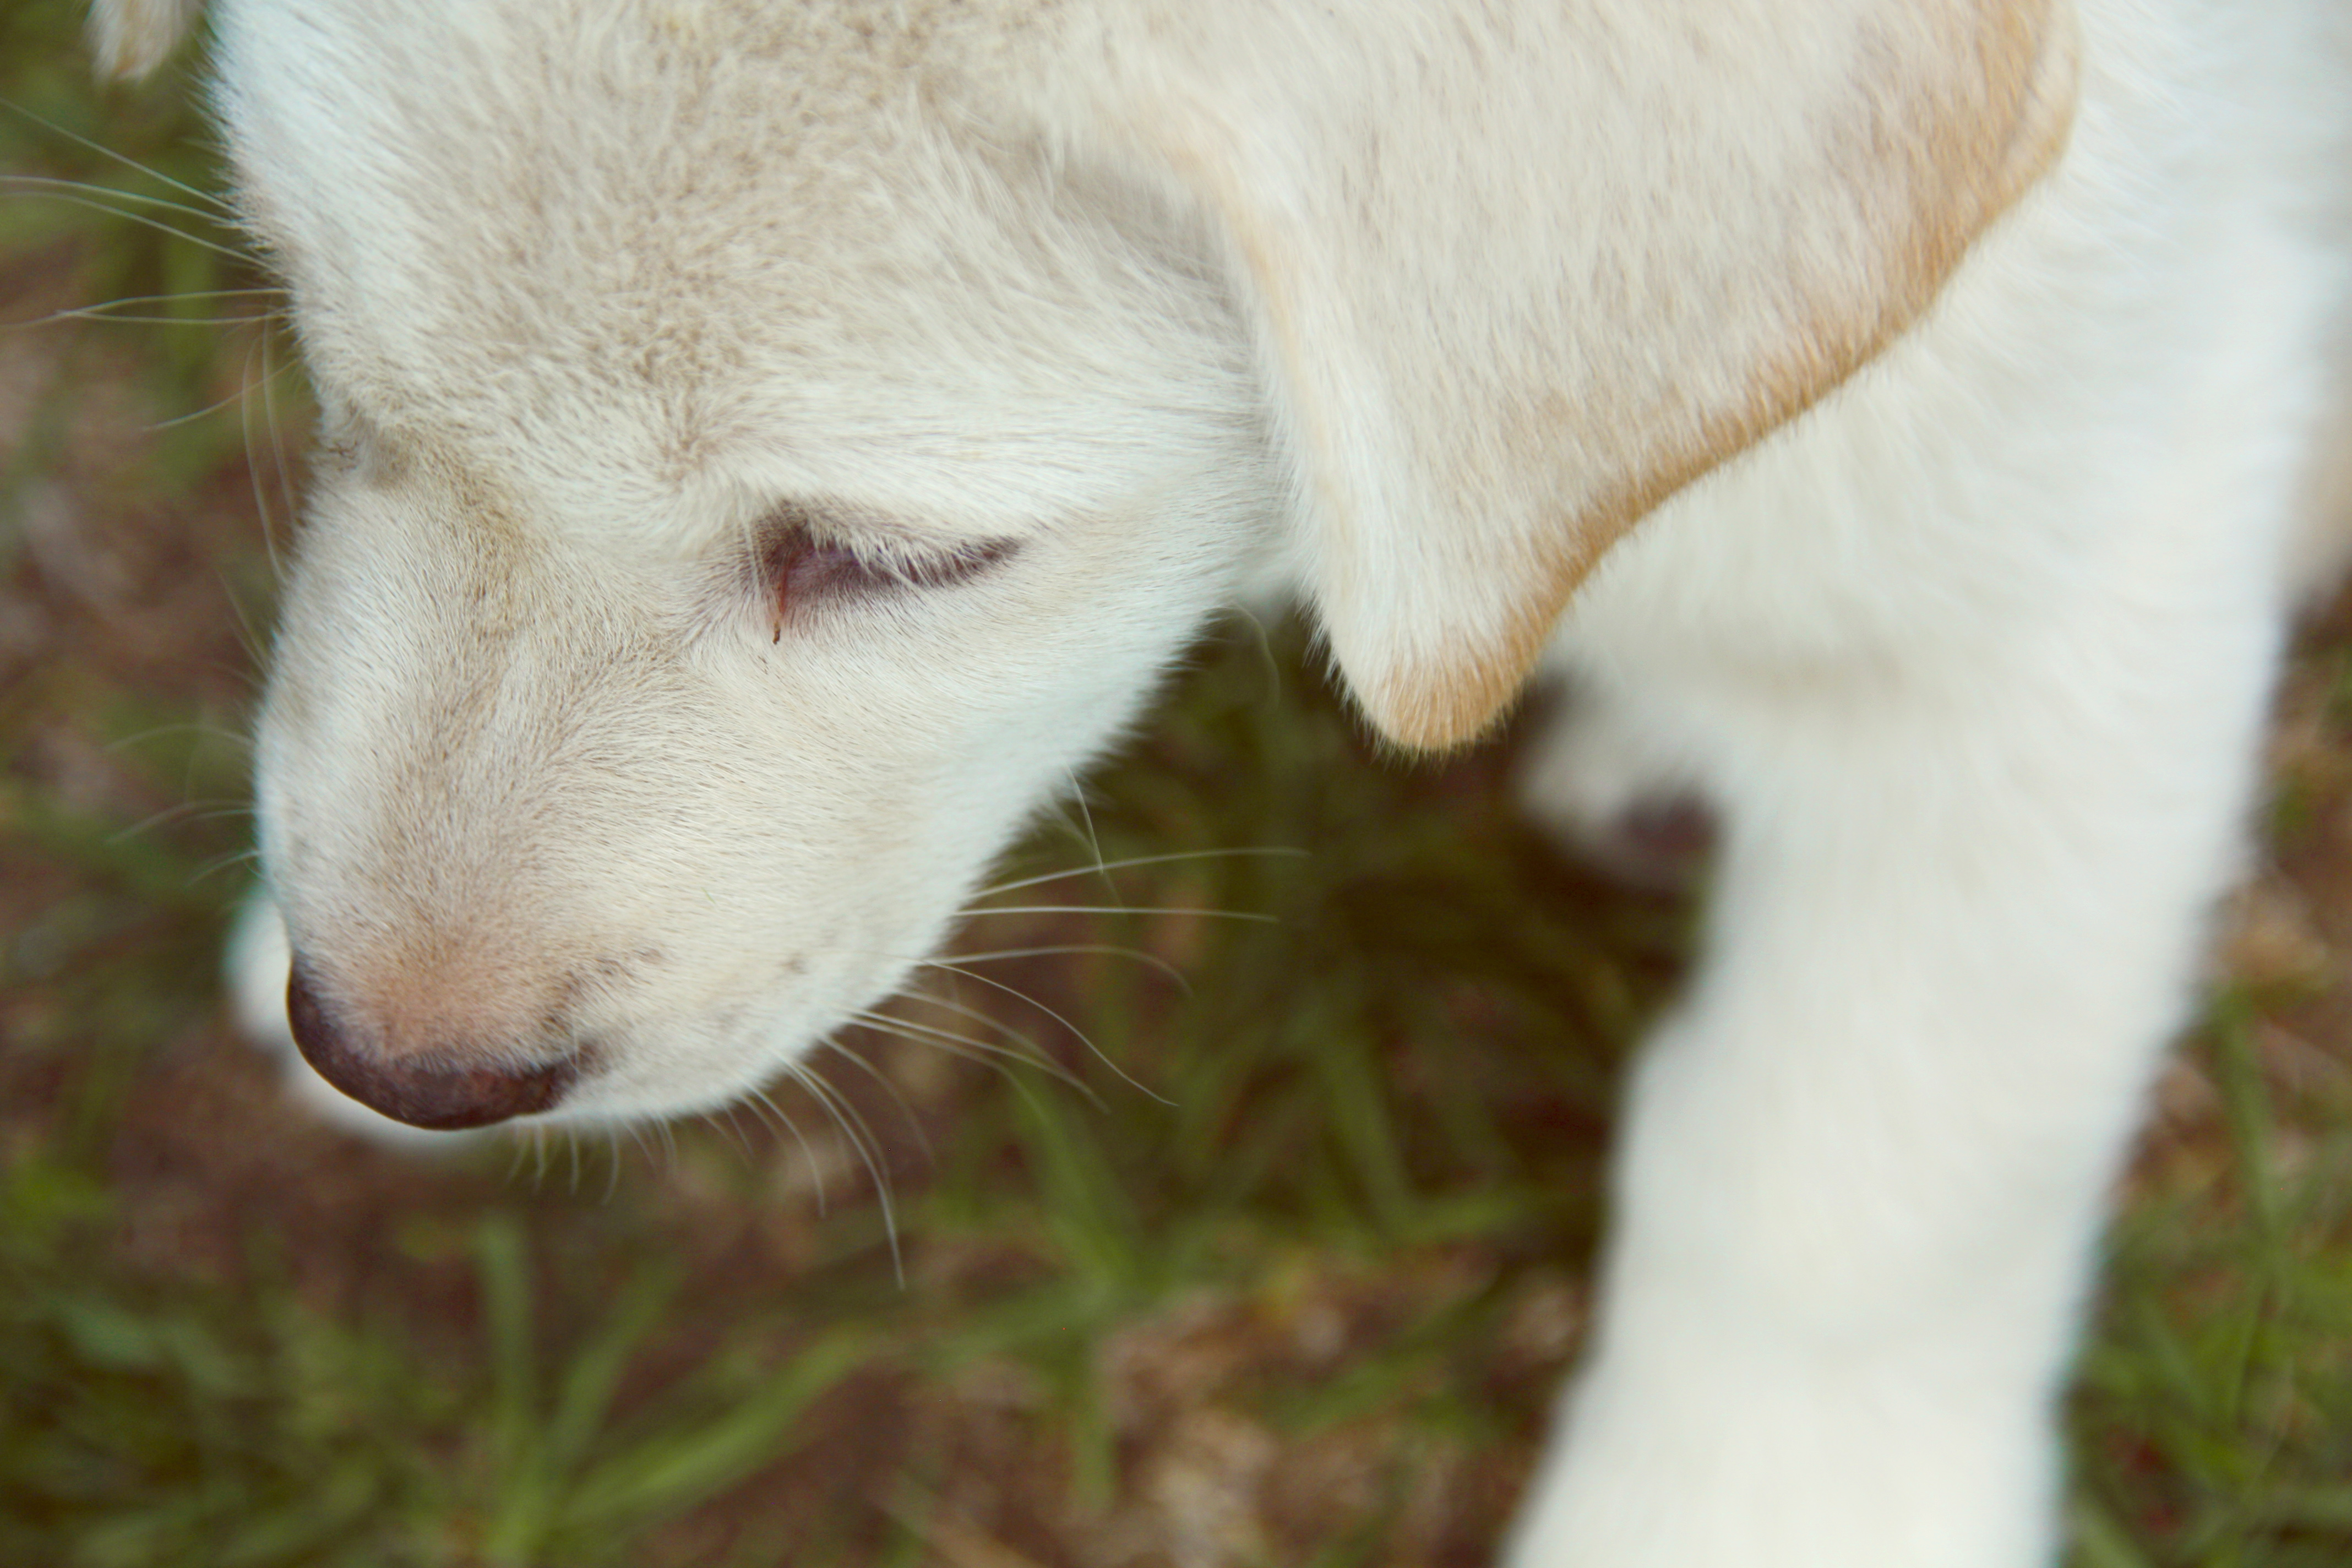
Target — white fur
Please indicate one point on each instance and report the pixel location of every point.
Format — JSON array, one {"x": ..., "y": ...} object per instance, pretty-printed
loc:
[{"x": 1971, "y": 655}]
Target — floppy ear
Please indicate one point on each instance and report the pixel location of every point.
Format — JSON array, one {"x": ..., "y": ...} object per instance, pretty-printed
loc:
[
  {"x": 1520, "y": 272},
  {"x": 130, "y": 37}
]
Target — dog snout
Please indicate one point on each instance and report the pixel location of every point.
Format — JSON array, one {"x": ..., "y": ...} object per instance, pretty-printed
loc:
[{"x": 440, "y": 1090}]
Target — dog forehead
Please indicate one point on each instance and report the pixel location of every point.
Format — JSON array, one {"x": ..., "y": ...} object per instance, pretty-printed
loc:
[{"x": 615, "y": 245}]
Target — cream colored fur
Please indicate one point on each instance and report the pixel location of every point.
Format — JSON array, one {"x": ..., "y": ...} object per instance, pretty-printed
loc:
[{"x": 1894, "y": 415}]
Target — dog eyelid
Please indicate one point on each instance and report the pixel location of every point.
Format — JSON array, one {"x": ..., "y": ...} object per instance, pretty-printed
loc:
[{"x": 802, "y": 563}]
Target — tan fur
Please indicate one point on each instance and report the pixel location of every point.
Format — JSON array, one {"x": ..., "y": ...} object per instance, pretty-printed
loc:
[
  {"x": 1618, "y": 348},
  {"x": 128, "y": 38}
]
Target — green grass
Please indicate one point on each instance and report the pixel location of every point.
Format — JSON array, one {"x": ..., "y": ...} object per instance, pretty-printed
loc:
[{"x": 1328, "y": 1256}]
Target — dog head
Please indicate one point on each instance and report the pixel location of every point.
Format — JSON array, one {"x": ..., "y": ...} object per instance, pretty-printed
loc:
[{"x": 767, "y": 450}]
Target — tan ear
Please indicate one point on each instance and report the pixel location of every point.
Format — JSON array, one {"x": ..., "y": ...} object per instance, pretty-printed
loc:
[
  {"x": 1520, "y": 272},
  {"x": 130, "y": 38}
]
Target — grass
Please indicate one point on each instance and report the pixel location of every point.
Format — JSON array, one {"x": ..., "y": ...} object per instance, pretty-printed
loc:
[{"x": 1301, "y": 1295}]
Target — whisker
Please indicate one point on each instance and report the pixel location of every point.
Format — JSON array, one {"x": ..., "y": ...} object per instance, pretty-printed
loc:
[
  {"x": 868, "y": 1144},
  {"x": 990, "y": 893},
  {"x": 243, "y": 391},
  {"x": 1034, "y": 1056},
  {"x": 750, "y": 1154},
  {"x": 1047, "y": 950},
  {"x": 105, "y": 151},
  {"x": 970, "y": 1048},
  {"x": 144, "y": 221},
  {"x": 247, "y": 638},
  {"x": 1262, "y": 639},
  {"x": 914, "y": 1122},
  {"x": 252, "y": 468},
  {"x": 186, "y": 811},
  {"x": 1032, "y": 1000},
  {"x": 189, "y": 294},
  {"x": 816, "y": 1172},
  {"x": 50, "y": 186},
  {"x": 1063, "y": 949},
  {"x": 179, "y": 727},
  {"x": 1036, "y": 1052},
  {"x": 1094, "y": 843},
  {"x": 220, "y": 863},
  {"x": 1120, "y": 910},
  {"x": 933, "y": 998},
  {"x": 842, "y": 1112},
  {"x": 221, "y": 811},
  {"x": 277, "y": 437},
  {"x": 733, "y": 1134},
  {"x": 79, "y": 313}
]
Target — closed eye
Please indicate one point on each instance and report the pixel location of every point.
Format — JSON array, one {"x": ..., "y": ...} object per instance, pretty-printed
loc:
[{"x": 804, "y": 564}]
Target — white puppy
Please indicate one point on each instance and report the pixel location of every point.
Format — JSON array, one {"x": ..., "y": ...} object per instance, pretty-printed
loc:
[{"x": 768, "y": 447}]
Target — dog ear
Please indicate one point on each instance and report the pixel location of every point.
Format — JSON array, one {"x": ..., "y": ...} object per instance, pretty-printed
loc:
[
  {"x": 1518, "y": 273},
  {"x": 130, "y": 38}
]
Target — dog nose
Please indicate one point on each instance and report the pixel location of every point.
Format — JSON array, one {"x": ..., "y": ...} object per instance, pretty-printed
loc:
[{"x": 422, "y": 1093}]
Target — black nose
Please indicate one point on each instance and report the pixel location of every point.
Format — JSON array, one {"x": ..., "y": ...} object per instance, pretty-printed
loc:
[{"x": 421, "y": 1093}]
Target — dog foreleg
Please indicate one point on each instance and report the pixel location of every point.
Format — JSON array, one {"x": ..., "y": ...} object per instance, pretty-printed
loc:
[{"x": 1865, "y": 1164}]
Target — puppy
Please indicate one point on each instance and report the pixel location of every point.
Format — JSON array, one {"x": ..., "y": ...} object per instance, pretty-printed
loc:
[{"x": 768, "y": 448}]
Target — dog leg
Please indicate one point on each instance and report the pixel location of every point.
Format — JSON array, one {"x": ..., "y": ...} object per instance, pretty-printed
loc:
[
  {"x": 1615, "y": 792},
  {"x": 1865, "y": 1166}
]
